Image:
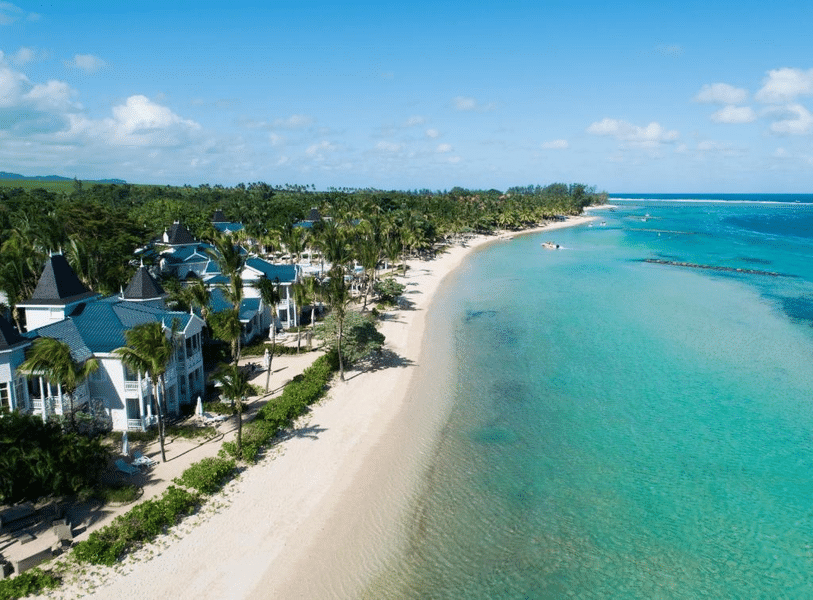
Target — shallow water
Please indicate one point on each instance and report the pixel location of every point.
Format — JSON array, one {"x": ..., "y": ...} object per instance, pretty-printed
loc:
[{"x": 622, "y": 429}]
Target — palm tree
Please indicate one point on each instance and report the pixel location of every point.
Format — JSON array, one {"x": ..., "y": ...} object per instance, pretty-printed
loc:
[
  {"x": 301, "y": 297},
  {"x": 51, "y": 358},
  {"x": 269, "y": 293},
  {"x": 150, "y": 351},
  {"x": 235, "y": 386},
  {"x": 338, "y": 297},
  {"x": 231, "y": 262}
]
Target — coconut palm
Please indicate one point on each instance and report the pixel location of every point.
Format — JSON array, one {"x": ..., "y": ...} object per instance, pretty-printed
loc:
[
  {"x": 149, "y": 350},
  {"x": 234, "y": 385},
  {"x": 52, "y": 359},
  {"x": 338, "y": 298},
  {"x": 301, "y": 297},
  {"x": 269, "y": 293}
]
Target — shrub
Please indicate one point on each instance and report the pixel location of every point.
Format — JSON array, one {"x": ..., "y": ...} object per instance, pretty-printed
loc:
[
  {"x": 40, "y": 460},
  {"x": 208, "y": 475},
  {"x": 141, "y": 523},
  {"x": 27, "y": 584},
  {"x": 388, "y": 290}
]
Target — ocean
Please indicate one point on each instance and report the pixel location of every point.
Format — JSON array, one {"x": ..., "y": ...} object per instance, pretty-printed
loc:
[{"x": 630, "y": 416}]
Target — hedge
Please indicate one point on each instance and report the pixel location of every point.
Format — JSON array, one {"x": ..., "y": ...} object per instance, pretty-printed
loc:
[{"x": 140, "y": 524}]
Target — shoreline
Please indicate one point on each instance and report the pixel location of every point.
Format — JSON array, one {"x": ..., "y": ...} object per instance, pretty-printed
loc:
[{"x": 322, "y": 513}]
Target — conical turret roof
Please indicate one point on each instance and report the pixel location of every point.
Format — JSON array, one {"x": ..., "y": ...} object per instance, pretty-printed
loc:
[
  {"x": 58, "y": 284},
  {"x": 143, "y": 286}
]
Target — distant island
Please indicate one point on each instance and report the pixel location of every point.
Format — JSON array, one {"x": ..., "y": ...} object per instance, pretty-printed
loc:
[{"x": 17, "y": 176}]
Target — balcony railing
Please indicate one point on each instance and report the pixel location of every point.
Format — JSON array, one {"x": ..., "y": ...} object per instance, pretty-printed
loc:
[
  {"x": 130, "y": 386},
  {"x": 134, "y": 425}
]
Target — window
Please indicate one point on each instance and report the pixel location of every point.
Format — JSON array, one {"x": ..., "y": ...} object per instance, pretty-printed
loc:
[
  {"x": 19, "y": 392},
  {"x": 132, "y": 408},
  {"x": 129, "y": 374},
  {"x": 5, "y": 397}
]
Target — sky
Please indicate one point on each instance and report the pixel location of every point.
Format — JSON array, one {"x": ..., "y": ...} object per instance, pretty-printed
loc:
[{"x": 624, "y": 96}]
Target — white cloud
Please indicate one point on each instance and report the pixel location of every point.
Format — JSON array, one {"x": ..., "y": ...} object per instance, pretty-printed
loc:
[
  {"x": 294, "y": 122},
  {"x": 9, "y": 13},
  {"x": 432, "y": 133},
  {"x": 443, "y": 148},
  {"x": 794, "y": 119},
  {"x": 53, "y": 96},
  {"x": 24, "y": 56},
  {"x": 784, "y": 85},
  {"x": 415, "y": 120},
  {"x": 27, "y": 108},
  {"x": 721, "y": 93},
  {"x": 651, "y": 135},
  {"x": 320, "y": 148},
  {"x": 139, "y": 122},
  {"x": 275, "y": 139},
  {"x": 464, "y": 103},
  {"x": 461, "y": 103},
  {"x": 555, "y": 145},
  {"x": 86, "y": 62},
  {"x": 734, "y": 114}
]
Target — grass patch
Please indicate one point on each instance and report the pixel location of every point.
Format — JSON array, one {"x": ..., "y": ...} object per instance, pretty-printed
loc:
[
  {"x": 191, "y": 432},
  {"x": 120, "y": 493}
]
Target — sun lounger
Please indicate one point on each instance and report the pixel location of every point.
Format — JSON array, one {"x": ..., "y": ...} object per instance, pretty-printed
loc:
[
  {"x": 210, "y": 418},
  {"x": 141, "y": 460},
  {"x": 125, "y": 468}
]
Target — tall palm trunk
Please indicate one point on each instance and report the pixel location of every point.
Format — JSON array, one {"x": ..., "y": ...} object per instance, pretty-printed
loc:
[{"x": 159, "y": 412}]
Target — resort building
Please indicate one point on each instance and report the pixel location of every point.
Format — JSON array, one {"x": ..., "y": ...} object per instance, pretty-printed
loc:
[
  {"x": 12, "y": 354},
  {"x": 186, "y": 258},
  {"x": 93, "y": 327}
]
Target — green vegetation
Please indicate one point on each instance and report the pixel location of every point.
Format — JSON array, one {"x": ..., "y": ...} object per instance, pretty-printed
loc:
[
  {"x": 208, "y": 475},
  {"x": 360, "y": 338},
  {"x": 119, "y": 493},
  {"x": 38, "y": 459},
  {"x": 27, "y": 584},
  {"x": 138, "y": 525},
  {"x": 388, "y": 290},
  {"x": 280, "y": 412}
]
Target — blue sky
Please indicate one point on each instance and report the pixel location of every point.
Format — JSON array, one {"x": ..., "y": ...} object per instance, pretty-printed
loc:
[{"x": 632, "y": 96}]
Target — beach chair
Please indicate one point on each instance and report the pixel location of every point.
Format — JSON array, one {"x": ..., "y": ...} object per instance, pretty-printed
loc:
[
  {"x": 125, "y": 468},
  {"x": 209, "y": 418},
  {"x": 142, "y": 460}
]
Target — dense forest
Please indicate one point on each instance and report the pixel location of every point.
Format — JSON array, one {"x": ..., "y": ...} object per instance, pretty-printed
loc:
[{"x": 99, "y": 226}]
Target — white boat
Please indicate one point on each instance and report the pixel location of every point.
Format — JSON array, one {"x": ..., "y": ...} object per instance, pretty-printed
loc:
[{"x": 550, "y": 246}]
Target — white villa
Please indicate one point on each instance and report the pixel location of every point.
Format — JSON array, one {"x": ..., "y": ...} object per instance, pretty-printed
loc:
[
  {"x": 93, "y": 327},
  {"x": 186, "y": 258}
]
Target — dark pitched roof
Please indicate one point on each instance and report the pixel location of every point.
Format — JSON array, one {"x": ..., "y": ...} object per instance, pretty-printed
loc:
[
  {"x": 178, "y": 234},
  {"x": 219, "y": 217},
  {"x": 143, "y": 287},
  {"x": 58, "y": 284},
  {"x": 314, "y": 215},
  {"x": 8, "y": 335}
]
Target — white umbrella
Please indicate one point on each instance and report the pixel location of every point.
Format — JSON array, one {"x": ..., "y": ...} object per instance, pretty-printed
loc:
[
  {"x": 199, "y": 407},
  {"x": 125, "y": 445}
]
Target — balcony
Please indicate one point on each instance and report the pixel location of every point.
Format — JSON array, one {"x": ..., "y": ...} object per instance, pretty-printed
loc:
[{"x": 135, "y": 425}]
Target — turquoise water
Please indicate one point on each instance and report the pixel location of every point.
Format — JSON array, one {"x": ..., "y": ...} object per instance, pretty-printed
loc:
[{"x": 623, "y": 429}]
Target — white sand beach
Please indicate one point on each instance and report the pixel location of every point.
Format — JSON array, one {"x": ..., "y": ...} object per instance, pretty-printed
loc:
[{"x": 322, "y": 511}]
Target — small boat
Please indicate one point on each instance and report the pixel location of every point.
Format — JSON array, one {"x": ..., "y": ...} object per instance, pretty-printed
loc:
[{"x": 550, "y": 246}]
